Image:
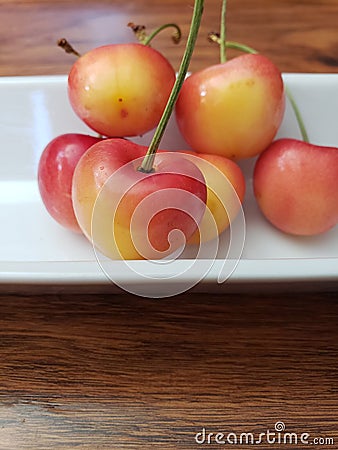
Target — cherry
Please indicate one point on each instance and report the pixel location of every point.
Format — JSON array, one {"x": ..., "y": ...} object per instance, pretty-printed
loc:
[
  {"x": 121, "y": 90},
  {"x": 128, "y": 199},
  {"x": 226, "y": 188},
  {"x": 234, "y": 108},
  {"x": 130, "y": 213},
  {"x": 296, "y": 186},
  {"x": 55, "y": 173}
]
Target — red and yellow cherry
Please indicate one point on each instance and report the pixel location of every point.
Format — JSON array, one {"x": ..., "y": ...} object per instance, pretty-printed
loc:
[
  {"x": 55, "y": 173},
  {"x": 120, "y": 90},
  {"x": 129, "y": 214},
  {"x": 232, "y": 109},
  {"x": 226, "y": 187},
  {"x": 296, "y": 186}
]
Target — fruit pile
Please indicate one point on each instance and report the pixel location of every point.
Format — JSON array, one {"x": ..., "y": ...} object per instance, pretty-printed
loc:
[{"x": 136, "y": 198}]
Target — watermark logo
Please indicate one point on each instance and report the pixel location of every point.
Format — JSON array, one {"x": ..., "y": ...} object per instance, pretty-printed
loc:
[
  {"x": 279, "y": 426},
  {"x": 278, "y": 436},
  {"x": 129, "y": 256}
]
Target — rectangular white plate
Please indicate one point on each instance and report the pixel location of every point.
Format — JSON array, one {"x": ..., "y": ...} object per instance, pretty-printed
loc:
[{"x": 36, "y": 251}]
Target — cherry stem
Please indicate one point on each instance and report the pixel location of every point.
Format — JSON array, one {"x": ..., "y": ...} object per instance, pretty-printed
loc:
[
  {"x": 241, "y": 47},
  {"x": 148, "y": 160},
  {"x": 139, "y": 31},
  {"x": 298, "y": 115},
  {"x": 143, "y": 38},
  {"x": 176, "y": 36},
  {"x": 63, "y": 43},
  {"x": 222, "y": 45},
  {"x": 245, "y": 48}
]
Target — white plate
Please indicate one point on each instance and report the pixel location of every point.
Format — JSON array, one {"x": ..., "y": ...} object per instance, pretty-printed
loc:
[{"x": 36, "y": 251}]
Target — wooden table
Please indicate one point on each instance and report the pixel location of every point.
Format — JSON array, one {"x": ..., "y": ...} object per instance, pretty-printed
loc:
[{"x": 116, "y": 371}]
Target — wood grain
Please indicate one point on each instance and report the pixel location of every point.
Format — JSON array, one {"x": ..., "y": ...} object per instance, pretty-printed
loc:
[
  {"x": 121, "y": 372},
  {"x": 300, "y": 36},
  {"x": 107, "y": 372}
]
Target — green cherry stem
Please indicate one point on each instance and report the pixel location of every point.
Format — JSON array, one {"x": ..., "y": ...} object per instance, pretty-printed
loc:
[
  {"x": 298, "y": 115},
  {"x": 222, "y": 45},
  {"x": 214, "y": 37},
  {"x": 246, "y": 49},
  {"x": 143, "y": 38},
  {"x": 238, "y": 46},
  {"x": 176, "y": 36},
  {"x": 148, "y": 160}
]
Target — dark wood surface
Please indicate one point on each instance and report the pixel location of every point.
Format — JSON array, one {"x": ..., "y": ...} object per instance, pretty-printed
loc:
[{"x": 116, "y": 371}]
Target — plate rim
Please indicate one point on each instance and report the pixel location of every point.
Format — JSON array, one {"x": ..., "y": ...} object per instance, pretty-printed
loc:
[{"x": 260, "y": 270}]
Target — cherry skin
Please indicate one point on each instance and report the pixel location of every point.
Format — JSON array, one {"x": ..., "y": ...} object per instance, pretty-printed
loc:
[
  {"x": 232, "y": 109},
  {"x": 296, "y": 186},
  {"x": 109, "y": 192},
  {"x": 55, "y": 173},
  {"x": 226, "y": 186},
  {"x": 120, "y": 90}
]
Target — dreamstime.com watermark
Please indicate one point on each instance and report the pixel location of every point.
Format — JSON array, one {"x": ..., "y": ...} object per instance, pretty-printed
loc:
[{"x": 277, "y": 436}]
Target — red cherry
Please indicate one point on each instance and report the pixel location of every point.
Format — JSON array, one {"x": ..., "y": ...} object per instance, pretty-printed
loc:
[{"x": 55, "y": 173}]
